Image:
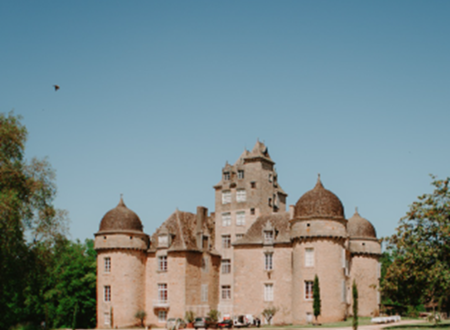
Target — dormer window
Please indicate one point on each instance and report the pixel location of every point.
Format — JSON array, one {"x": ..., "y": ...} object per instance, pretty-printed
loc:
[
  {"x": 226, "y": 176},
  {"x": 268, "y": 233},
  {"x": 163, "y": 240}
]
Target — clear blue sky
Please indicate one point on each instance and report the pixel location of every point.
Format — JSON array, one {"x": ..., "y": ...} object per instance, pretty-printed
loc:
[{"x": 157, "y": 95}]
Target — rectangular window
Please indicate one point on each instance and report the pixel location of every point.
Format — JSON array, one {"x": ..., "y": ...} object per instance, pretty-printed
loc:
[
  {"x": 239, "y": 236},
  {"x": 226, "y": 197},
  {"x": 268, "y": 261},
  {"x": 308, "y": 290},
  {"x": 226, "y": 241},
  {"x": 204, "y": 289},
  {"x": 240, "y": 174},
  {"x": 268, "y": 236},
  {"x": 107, "y": 292},
  {"x": 226, "y": 266},
  {"x": 270, "y": 202},
  {"x": 107, "y": 264},
  {"x": 226, "y": 219},
  {"x": 162, "y": 263},
  {"x": 252, "y": 211},
  {"x": 107, "y": 318},
  {"x": 162, "y": 316},
  {"x": 253, "y": 184},
  {"x": 270, "y": 177},
  {"x": 309, "y": 257},
  {"x": 162, "y": 292},
  {"x": 226, "y": 176},
  {"x": 241, "y": 195},
  {"x": 240, "y": 218},
  {"x": 268, "y": 292},
  {"x": 226, "y": 292},
  {"x": 163, "y": 241}
]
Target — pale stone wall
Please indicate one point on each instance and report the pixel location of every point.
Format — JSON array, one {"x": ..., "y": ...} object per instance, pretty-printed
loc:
[
  {"x": 365, "y": 271},
  {"x": 250, "y": 278},
  {"x": 126, "y": 279},
  {"x": 328, "y": 265}
]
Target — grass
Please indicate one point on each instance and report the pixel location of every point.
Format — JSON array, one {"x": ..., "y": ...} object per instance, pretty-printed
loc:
[
  {"x": 342, "y": 324},
  {"x": 422, "y": 326}
]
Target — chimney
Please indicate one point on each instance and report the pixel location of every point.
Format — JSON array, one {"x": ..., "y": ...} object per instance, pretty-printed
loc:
[
  {"x": 202, "y": 213},
  {"x": 291, "y": 212}
]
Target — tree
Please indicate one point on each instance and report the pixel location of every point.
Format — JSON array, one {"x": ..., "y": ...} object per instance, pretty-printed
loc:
[
  {"x": 269, "y": 313},
  {"x": 141, "y": 315},
  {"x": 420, "y": 250},
  {"x": 316, "y": 297},
  {"x": 27, "y": 191},
  {"x": 355, "y": 305},
  {"x": 214, "y": 315}
]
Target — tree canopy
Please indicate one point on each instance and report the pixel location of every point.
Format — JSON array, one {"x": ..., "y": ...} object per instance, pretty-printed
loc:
[
  {"x": 43, "y": 276},
  {"x": 419, "y": 269}
]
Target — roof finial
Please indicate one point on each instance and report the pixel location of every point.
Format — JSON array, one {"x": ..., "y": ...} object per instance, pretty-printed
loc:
[
  {"x": 121, "y": 203},
  {"x": 319, "y": 183},
  {"x": 356, "y": 210}
]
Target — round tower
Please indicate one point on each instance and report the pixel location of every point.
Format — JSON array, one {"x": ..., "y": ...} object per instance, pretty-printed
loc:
[
  {"x": 365, "y": 252},
  {"x": 121, "y": 247},
  {"x": 319, "y": 238}
]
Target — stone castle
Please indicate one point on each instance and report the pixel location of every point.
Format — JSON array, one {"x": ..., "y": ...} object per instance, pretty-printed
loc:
[{"x": 249, "y": 255}]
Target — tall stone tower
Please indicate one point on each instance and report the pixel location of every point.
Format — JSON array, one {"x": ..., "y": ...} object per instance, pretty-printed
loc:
[
  {"x": 319, "y": 239},
  {"x": 364, "y": 267},
  {"x": 121, "y": 247},
  {"x": 248, "y": 189}
]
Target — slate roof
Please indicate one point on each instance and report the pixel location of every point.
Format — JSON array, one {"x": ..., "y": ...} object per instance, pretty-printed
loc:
[
  {"x": 182, "y": 227},
  {"x": 358, "y": 227},
  {"x": 120, "y": 218},
  {"x": 254, "y": 235}
]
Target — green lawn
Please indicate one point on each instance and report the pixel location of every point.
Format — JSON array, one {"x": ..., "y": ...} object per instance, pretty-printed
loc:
[
  {"x": 422, "y": 326},
  {"x": 347, "y": 323}
]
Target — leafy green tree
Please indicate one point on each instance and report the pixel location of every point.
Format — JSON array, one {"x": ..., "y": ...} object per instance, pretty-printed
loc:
[
  {"x": 269, "y": 313},
  {"x": 316, "y": 297},
  {"x": 420, "y": 250},
  {"x": 27, "y": 191},
  {"x": 214, "y": 315},
  {"x": 355, "y": 306}
]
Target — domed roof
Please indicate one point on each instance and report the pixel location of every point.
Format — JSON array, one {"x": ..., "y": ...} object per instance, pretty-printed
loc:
[
  {"x": 319, "y": 203},
  {"x": 120, "y": 218},
  {"x": 357, "y": 226}
]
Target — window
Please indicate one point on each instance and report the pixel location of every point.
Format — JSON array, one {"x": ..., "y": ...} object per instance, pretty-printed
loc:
[
  {"x": 204, "y": 292},
  {"x": 107, "y": 318},
  {"x": 268, "y": 236},
  {"x": 107, "y": 264},
  {"x": 162, "y": 263},
  {"x": 240, "y": 174},
  {"x": 205, "y": 264},
  {"x": 270, "y": 201},
  {"x": 226, "y": 176},
  {"x": 270, "y": 177},
  {"x": 239, "y": 236},
  {"x": 253, "y": 184},
  {"x": 268, "y": 261},
  {"x": 268, "y": 292},
  {"x": 226, "y": 292},
  {"x": 162, "y": 292},
  {"x": 226, "y": 219},
  {"x": 309, "y": 257},
  {"x": 252, "y": 211},
  {"x": 308, "y": 290},
  {"x": 240, "y": 218},
  {"x": 107, "y": 292},
  {"x": 162, "y": 316},
  {"x": 226, "y": 266},
  {"x": 226, "y": 241},
  {"x": 226, "y": 197},
  {"x": 163, "y": 240},
  {"x": 241, "y": 195}
]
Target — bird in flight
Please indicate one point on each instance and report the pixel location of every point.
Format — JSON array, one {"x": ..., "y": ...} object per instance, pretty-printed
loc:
[{"x": 56, "y": 87}]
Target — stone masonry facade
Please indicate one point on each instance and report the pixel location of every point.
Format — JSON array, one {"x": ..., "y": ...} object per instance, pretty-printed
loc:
[{"x": 248, "y": 255}]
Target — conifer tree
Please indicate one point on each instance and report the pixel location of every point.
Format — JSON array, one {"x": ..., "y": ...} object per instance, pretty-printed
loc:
[
  {"x": 316, "y": 297},
  {"x": 355, "y": 305}
]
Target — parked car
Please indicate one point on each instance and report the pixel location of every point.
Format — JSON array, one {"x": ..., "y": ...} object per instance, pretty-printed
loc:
[
  {"x": 225, "y": 324},
  {"x": 175, "y": 324},
  {"x": 204, "y": 322},
  {"x": 242, "y": 321}
]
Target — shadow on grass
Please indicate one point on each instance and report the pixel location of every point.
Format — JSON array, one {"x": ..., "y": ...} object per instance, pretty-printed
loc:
[{"x": 421, "y": 326}]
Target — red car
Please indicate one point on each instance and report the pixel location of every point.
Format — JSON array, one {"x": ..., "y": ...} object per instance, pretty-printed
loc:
[{"x": 225, "y": 324}]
